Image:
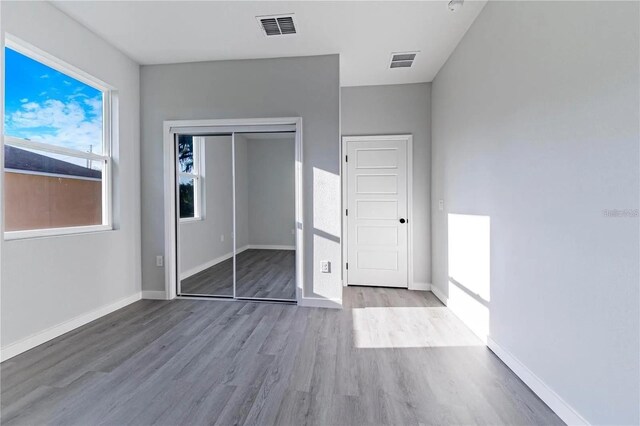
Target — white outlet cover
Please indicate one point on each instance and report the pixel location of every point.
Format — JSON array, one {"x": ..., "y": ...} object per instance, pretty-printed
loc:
[{"x": 440, "y": 204}]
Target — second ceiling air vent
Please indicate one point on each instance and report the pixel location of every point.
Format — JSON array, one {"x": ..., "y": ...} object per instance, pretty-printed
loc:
[
  {"x": 277, "y": 25},
  {"x": 402, "y": 59}
]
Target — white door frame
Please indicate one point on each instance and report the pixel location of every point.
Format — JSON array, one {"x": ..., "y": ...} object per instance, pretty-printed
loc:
[
  {"x": 410, "y": 218},
  {"x": 170, "y": 128}
]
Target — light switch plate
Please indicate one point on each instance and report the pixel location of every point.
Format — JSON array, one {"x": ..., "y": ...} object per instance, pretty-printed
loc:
[
  {"x": 325, "y": 266},
  {"x": 159, "y": 261},
  {"x": 440, "y": 205}
]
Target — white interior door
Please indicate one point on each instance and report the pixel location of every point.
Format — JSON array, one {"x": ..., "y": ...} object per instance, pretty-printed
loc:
[{"x": 377, "y": 253}]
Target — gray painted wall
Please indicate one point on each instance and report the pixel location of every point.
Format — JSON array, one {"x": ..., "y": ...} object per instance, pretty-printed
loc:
[
  {"x": 400, "y": 109},
  {"x": 48, "y": 281},
  {"x": 535, "y": 124},
  {"x": 308, "y": 87},
  {"x": 242, "y": 192},
  {"x": 271, "y": 178}
]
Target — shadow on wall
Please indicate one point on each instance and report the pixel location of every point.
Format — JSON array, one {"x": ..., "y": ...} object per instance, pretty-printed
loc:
[{"x": 469, "y": 270}]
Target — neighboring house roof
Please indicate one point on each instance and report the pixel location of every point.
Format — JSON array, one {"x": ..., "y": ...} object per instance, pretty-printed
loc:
[{"x": 20, "y": 159}]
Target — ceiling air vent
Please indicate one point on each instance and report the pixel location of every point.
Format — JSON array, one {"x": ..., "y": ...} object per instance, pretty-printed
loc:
[
  {"x": 277, "y": 25},
  {"x": 402, "y": 59}
]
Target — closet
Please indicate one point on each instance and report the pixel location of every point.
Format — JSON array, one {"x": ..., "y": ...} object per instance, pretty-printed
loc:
[{"x": 236, "y": 213}]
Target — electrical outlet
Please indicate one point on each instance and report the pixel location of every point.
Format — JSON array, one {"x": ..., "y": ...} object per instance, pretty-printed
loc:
[
  {"x": 222, "y": 238},
  {"x": 325, "y": 266},
  {"x": 440, "y": 205},
  {"x": 159, "y": 261}
]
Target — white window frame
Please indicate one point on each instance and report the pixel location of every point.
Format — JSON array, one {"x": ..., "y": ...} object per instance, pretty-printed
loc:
[
  {"x": 44, "y": 58},
  {"x": 197, "y": 176}
]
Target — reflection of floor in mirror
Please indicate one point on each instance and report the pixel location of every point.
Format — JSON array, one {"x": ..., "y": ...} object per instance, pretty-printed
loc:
[{"x": 268, "y": 274}]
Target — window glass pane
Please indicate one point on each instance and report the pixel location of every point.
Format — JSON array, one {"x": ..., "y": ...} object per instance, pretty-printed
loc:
[
  {"x": 185, "y": 154},
  {"x": 44, "y": 190},
  {"x": 187, "y": 197},
  {"x": 46, "y": 105}
]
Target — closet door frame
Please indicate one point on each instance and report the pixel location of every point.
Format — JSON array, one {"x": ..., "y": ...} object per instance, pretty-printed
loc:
[{"x": 203, "y": 127}]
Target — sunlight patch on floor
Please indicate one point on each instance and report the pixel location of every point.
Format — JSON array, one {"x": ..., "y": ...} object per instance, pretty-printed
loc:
[{"x": 409, "y": 327}]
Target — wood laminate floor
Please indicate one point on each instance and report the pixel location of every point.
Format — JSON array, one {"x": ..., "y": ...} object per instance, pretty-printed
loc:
[
  {"x": 266, "y": 274},
  {"x": 390, "y": 356}
]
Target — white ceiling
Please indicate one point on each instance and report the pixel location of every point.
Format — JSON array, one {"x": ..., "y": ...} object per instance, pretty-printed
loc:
[{"x": 364, "y": 33}]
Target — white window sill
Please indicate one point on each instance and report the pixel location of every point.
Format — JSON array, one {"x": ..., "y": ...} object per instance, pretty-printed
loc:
[
  {"x": 191, "y": 219},
  {"x": 55, "y": 232}
]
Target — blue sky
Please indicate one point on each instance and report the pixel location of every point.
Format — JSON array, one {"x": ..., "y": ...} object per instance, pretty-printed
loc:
[{"x": 45, "y": 105}]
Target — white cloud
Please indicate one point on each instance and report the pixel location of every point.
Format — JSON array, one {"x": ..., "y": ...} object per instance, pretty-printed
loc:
[
  {"x": 23, "y": 100},
  {"x": 44, "y": 76},
  {"x": 77, "y": 95},
  {"x": 59, "y": 123},
  {"x": 95, "y": 105}
]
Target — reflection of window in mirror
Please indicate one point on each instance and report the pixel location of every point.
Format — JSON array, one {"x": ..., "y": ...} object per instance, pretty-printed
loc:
[{"x": 190, "y": 157}]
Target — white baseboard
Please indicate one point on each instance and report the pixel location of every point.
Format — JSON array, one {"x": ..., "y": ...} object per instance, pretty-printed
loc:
[
  {"x": 439, "y": 294},
  {"x": 420, "y": 286},
  {"x": 567, "y": 413},
  {"x": 544, "y": 392},
  {"x": 318, "y": 302},
  {"x": 44, "y": 336},
  {"x": 154, "y": 295},
  {"x": 270, "y": 247}
]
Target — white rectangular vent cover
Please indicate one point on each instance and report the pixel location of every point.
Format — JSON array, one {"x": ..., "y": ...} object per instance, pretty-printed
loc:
[
  {"x": 402, "y": 59},
  {"x": 277, "y": 25}
]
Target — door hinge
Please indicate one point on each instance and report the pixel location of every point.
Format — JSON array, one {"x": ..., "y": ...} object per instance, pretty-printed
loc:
[
  {"x": 346, "y": 212},
  {"x": 346, "y": 158},
  {"x": 347, "y": 265}
]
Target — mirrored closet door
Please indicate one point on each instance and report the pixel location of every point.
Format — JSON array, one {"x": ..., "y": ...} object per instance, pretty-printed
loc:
[
  {"x": 265, "y": 215},
  {"x": 236, "y": 202}
]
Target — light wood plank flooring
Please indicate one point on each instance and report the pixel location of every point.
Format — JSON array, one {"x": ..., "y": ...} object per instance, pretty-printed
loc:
[
  {"x": 389, "y": 357},
  {"x": 266, "y": 274}
]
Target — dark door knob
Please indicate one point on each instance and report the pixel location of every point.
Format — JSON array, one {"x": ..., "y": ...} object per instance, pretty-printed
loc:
[{"x": 402, "y": 220}]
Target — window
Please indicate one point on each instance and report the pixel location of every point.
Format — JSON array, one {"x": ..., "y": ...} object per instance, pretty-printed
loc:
[
  {"x": 190, "y": 150},
  {"x": 57, "y": 149}
]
